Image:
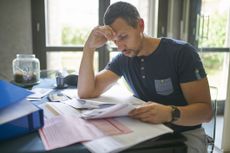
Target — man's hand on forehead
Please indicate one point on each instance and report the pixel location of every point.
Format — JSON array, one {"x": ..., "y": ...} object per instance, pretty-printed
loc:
[{"x": 107, "y": 31}]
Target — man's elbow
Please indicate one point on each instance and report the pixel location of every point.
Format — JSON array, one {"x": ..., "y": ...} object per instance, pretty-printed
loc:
[{"x": 85, "y": 95}]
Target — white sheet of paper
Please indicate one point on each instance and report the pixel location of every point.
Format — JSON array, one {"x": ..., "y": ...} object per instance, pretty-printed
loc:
[
  {"x": 141, "y": 132},
  {"x": 80, "y": 104},
  {"x": 48, "y": 110},
  {"x": 121, "y": 109},
  {"x": 16, "y": 110},
  {"x": 39, "y": 93}
]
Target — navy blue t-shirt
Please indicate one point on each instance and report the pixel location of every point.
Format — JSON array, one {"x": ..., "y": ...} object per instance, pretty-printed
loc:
[{"x": 157, "y": 77}]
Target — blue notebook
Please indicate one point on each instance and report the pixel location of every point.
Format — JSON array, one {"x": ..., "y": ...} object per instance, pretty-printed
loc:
[{"x": 10, "y": 94}]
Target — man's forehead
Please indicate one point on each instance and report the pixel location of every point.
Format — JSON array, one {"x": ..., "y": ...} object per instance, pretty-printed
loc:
[
  {"x": 119, "y": 35},
  {"x": 120, "y": 31}
]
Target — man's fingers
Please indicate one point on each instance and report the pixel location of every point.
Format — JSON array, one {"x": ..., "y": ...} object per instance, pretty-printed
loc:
[
  {"x": 143, "y": 115},
  {"x": 141, "y": 110},
  {"x": 149, "y": 117},
  {"x": 107, "y": 32}
]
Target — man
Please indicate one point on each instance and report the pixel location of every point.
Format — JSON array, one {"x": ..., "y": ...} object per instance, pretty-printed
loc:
[{"x": 166, "y": 73}]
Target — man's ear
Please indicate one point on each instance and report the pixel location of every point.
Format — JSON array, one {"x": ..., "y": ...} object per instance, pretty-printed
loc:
[{"x": 141, "y": 24}]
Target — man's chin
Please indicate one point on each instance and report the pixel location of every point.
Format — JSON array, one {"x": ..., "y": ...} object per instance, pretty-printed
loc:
[{"x": 128, "y": 54}]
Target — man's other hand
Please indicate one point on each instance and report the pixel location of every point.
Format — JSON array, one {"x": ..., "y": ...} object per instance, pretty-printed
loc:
[{"x": 152, "y": 112}]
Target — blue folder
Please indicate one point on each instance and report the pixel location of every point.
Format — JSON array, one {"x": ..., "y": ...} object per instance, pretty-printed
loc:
[
  {"x": 22, "y": 125},
  {"x": 10, "y": 94}
]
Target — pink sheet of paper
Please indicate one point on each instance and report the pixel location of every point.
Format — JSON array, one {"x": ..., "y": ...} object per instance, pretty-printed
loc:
[
  {"x": 110, "y": 126},
  {"x": 62, "y": 131}
]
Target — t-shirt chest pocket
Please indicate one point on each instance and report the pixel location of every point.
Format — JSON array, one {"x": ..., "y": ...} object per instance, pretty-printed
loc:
[{"x": 164, "y": 86}]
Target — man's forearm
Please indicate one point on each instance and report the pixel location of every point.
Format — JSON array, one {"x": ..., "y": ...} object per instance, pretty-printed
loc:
[
  {"x": 86, "y": 79},
  {"x": 195, "y": 114}
]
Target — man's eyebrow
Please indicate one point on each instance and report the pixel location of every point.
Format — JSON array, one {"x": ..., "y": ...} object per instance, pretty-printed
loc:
[{"x": 121, "y": 35}]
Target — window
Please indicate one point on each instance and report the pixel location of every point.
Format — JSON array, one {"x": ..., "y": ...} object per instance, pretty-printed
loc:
[
  {"x": 66, "y": 25},
  {"x": 61, "y": 28},
  {"x": 68, "y": 60},
  {"x": 212, "y": 41},
  {"x": 68, "y": 22}
]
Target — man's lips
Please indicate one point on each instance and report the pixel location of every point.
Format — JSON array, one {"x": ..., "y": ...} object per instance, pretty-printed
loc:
[{"x": 125, "y": 51}]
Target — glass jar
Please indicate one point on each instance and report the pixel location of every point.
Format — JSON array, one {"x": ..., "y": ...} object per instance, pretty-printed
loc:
[{"x": 26, "y": 69}]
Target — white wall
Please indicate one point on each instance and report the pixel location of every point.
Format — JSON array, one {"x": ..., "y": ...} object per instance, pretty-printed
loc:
[
  {"x": 15, "y": 33},
  {"x": 226, "y": 127}
]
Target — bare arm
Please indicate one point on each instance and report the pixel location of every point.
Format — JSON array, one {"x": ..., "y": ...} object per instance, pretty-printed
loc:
[
  {"x": 90, "y": 85},
  {"x": 196, "y": 112},
  {"x": 199, "y": 109}
]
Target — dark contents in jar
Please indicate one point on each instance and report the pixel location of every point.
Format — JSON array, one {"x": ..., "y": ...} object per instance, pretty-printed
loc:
[{"x": 25, "y": 79}]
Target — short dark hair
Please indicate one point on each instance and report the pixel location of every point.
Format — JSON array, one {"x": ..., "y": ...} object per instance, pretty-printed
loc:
[{"x": 124, "y": 10}]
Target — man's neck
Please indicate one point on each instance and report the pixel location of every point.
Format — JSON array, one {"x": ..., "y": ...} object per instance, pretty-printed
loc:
[{"x": 150, "y": 45}]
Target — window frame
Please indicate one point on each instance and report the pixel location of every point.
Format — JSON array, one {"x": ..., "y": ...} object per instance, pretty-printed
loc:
[{"x": 40, "y": 47}]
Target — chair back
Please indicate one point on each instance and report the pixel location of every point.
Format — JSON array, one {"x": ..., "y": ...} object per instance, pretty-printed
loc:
[{"x": 210, "y": 127}]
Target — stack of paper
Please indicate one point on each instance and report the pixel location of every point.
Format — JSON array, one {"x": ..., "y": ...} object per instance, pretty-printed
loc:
[{"x": 108, "y": 143}]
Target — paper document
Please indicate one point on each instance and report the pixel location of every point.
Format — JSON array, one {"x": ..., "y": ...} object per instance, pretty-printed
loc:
[
  {"x": 141, "y": 132},
  {"x": 62, "y": 131},
  {"x": 38, "y": 93},
  {"x": 113, "y": 111}
]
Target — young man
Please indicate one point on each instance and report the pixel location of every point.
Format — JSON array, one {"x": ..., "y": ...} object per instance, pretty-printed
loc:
[{"x": 168, "y": 74}]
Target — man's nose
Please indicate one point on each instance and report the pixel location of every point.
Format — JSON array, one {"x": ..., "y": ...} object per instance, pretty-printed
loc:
[{"x": 120, "y": 45}]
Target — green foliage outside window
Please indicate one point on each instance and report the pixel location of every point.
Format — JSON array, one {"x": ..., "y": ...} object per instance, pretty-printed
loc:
[
  {"x": 213, "y": 62},
  {"x": 216, "y": 31},
  {"x": 72, "y": 36}
]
